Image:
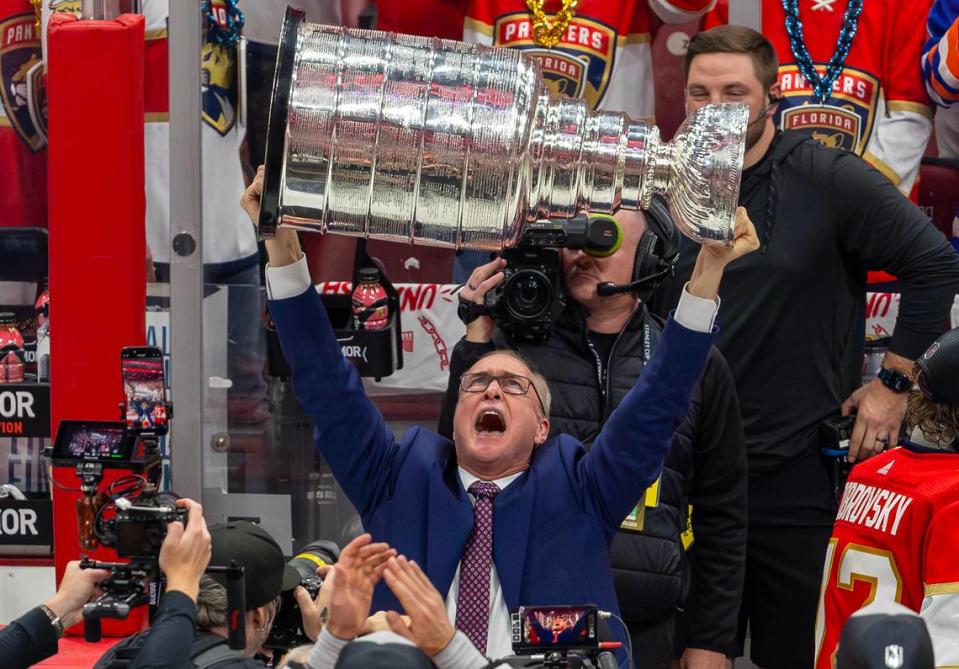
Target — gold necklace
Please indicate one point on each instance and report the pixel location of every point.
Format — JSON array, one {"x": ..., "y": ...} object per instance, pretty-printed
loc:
[
  {"x": 37, "y": 11},
  {"x": 547, "y": 32}
]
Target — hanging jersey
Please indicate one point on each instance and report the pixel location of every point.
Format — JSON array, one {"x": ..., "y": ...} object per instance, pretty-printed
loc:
[
  {"x": 227, "y": 233},
  {"x": 895, "y": 538},
  {"x": 878, "y": 107},
  {"x": 432, "y": 18},
  {"x": 940, "y": 68},
  {"x": 23, "y": 118},
  {"x": 605, "y": 54}
]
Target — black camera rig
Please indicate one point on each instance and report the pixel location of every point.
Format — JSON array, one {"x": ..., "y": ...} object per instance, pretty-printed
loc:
[{"x": 530, "y": 298}]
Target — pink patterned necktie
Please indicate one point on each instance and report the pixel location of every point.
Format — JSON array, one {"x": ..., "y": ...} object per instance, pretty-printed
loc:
[{"x": 472, "y": 601}]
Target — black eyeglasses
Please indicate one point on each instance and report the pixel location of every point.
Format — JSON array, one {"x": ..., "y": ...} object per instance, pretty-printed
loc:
[{"x": 511, "y": 384}]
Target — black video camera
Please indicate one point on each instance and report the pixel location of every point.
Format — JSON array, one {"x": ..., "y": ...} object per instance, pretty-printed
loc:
[
  {"x": 530, "y": 298},
  {"x": 287, "y": 631}
]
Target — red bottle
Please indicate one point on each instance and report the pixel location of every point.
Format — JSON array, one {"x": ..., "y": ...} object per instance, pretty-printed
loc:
[
  {"x": 42, "y": 306},
  {"x": 370, "y": 310},
  {"x": 11, "y": 350}
]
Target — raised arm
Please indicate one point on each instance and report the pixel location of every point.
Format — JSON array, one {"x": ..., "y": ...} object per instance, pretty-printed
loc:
[
  {"x": 629, "y": 451},
  {"x": 349, "y": 430}
]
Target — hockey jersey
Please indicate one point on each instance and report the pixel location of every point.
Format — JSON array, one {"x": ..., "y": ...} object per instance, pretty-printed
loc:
[
  {"x": 23, "y": 119},
  {"x": 605, "y": 55},
  {"x": 227, "y": 233},
  {"x": 895, "y": 538},
  {"x": 878, "y": 107},
  {"x": 940, "y": 68}
]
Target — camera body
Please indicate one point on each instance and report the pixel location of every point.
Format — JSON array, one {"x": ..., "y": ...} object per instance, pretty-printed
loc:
[
  {"x": 287, "y": 631},
  {"x": 139, "y": 529},
  {"x": 531, "y": 297},
  {"x": 834, "y": 435}
]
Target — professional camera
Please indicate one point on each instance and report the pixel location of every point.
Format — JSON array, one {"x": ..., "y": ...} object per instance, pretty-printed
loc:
[
  {"x": 287, "y": 631},
  {"x": 530, "y": 298}
]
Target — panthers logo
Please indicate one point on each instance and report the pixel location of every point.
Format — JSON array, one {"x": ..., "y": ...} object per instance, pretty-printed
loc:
[
  {"x": 21, "y": 76},
  {"x": 218, "y": 65},
  {"x": 845, "y": 121},
  {"x": 579, "y": 66}
]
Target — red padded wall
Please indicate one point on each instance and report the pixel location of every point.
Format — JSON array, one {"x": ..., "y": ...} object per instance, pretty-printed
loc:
[{"x": 97, "y": 236}]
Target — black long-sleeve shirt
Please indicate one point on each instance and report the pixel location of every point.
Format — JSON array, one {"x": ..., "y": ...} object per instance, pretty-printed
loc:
[
  {"x": 27, "y": 640},
  {"x": 792, "y": 322}
]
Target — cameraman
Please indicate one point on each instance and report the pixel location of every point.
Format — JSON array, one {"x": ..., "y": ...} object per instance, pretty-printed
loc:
[
  {"x": 594, "y": 354},
  {"x": 33, "y": 636},
  {"x": 267, "y": 576}
]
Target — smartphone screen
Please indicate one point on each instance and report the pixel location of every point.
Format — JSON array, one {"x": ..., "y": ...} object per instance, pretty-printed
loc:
[
  {"x": 144, "y": 388},
  {"x": 559, "y": 627}
]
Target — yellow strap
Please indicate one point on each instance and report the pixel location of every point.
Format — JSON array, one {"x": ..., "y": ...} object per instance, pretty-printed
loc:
[{"x": 311, "y": 558}]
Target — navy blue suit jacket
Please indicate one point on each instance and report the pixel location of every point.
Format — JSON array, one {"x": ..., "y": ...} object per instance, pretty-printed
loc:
[{"x": 551, "y": 527}]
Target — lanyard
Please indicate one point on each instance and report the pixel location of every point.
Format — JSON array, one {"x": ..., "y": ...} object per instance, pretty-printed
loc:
[{"x": 602, "y": 369}]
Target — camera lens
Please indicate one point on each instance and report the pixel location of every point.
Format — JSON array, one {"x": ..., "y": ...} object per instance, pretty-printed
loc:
[{"x": 528, "y": 295}]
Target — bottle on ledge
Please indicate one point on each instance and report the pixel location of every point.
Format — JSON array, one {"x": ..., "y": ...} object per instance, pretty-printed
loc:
[
  {"x": 370, "y": 309},
  {"x": 41, "y": 310},
  {"x": 12, "y": 353}
]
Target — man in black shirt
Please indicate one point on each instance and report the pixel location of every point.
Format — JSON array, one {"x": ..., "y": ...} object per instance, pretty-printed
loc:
[
  {"x": 594, "y": 354},
  {"x": 793, "y": 329}
]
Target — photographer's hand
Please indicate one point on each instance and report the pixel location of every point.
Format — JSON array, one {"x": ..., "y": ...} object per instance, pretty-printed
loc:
[
  {"x": 481, "y": 281},
  {"x": 351, "y": 582},
  {"x": 429, "y": 627},
  {"x": 185, "y": 552},
  {"x": 78, "y": 587}
]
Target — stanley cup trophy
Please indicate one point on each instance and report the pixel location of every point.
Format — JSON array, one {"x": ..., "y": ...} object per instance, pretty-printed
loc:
[{"x": 430, "y": 141}]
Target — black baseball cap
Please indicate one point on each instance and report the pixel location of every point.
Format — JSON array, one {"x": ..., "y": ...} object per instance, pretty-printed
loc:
[
  {"x": 885, "y": 635},
  {"x": 940, "y": 369},
  {"x": 382, "y": 650},
  {"x": 266, "y": 571}
]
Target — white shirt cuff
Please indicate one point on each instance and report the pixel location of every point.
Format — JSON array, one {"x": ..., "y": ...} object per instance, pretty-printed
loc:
[
  {"x": 696, "y": 313},
  {"x": 288, "y": 281}
]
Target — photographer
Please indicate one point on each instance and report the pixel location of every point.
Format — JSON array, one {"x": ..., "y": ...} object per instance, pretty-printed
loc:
[
  {"x": 33, "y": 636},
  {"x": 267, "y": 574},
  {"x": 594, "y": 354},
  {"x": 184, "y": 556}
]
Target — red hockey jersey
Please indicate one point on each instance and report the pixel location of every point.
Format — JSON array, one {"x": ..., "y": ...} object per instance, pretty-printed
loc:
[
  {"x": 878, "y": 108},
  {"x": 604, "y": 56},
  {"x": 895, "y": 538},
  {"x": 23, "y": 119}
]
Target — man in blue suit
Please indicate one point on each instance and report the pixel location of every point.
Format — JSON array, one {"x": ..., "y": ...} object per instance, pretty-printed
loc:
[{"x": 500, "y": 517}]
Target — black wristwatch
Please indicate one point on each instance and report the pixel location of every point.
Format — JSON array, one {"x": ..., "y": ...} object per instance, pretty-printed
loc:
[
  {"x": 468, "y": 311},
  {"x": 54, "y": 620},
  {"x": 895, "y": 380}
]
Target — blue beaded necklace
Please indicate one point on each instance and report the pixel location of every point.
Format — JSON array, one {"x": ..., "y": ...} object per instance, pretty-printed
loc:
[
  {"x": 822, "y": 86},
  {"x": 235, "y": 19}
]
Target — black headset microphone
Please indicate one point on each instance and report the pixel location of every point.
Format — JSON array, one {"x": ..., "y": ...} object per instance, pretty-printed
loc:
[
  {"x": 773, "y": 101},
  {"x": 608, "y": 288}
]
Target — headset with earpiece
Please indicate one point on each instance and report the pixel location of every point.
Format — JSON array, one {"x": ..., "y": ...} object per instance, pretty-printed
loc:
[{"x": 656, "y": 252}]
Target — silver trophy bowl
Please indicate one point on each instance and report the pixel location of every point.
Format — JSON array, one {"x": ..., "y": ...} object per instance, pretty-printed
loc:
[{"x": 436, "y": 142}]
